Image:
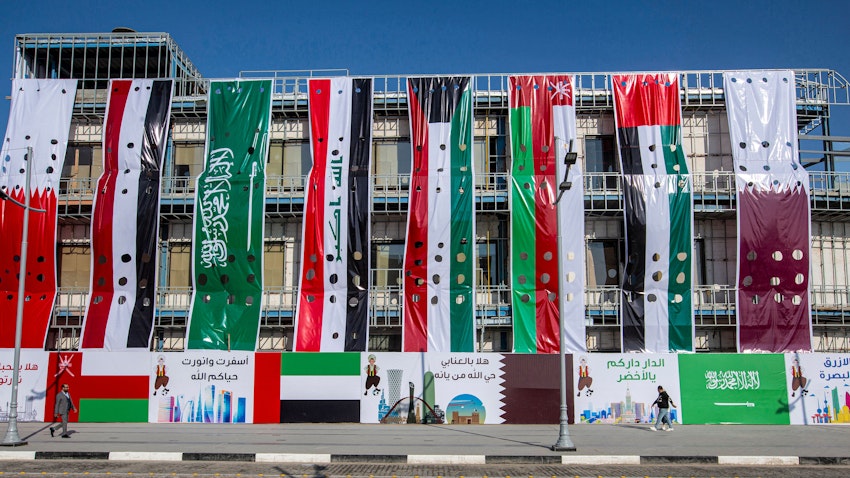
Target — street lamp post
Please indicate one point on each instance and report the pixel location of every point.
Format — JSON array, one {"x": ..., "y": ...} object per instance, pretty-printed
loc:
[
  {"x": 564, "y": 442},
  {"x": 12, "y": 438}
]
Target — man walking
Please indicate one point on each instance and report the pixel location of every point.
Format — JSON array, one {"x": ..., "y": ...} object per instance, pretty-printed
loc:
[
  {"x": 663, "y": 401},
  {"x": 61, "y": 409}
]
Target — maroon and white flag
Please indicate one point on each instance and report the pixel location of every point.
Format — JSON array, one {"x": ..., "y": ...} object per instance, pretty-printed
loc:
[{"x": 125, "y": 221}]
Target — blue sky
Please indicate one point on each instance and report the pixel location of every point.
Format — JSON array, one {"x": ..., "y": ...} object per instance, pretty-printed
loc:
[{"x": 396, "y": 37}]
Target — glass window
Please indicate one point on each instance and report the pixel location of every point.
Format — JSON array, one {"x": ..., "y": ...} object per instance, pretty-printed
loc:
[
  {"x": 188, "y": 159},
  {"x": 74, "y": 266},
  {"x": 297, "y": 159},
  {"x": 599, "y": 158},
  {"x": 273, "y": 265},
  {"x": 179, "y": 265},
  {"x": 603, "y": 262},
  {"x": 387, "y": 265}
]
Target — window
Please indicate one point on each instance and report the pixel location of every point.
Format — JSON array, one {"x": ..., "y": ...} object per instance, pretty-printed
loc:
[
  {"x": 297, "y": 159},
  {"x": 179, "y": 265},
  {"x": 188, "y": 159},
  {"x": 699, "y": 262},
  {"x": 391, "y": 163},
  {"x": 603, "y": 262},
  {"x": 387, "y": 265},
  {"x": 599, "y": 158},
  {"x": 74, "y": 266},
  {"x": 83, "y": 165}
]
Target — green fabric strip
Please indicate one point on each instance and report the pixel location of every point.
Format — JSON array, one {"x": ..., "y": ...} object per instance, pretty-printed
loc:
[
  {"x": 462, "y": 314},
  {"x": 229, "y": 218},
  {"x": 324, "y": 363},
  {"x": 523, "y": 233},
  {"x": 102, "y": 410}
]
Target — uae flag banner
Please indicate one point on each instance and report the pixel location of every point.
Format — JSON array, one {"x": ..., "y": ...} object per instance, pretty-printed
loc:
[
  {"x": 39, "y": 124},
  {"x": 439, "y": 314},
  {"x": 227, "y": 247},
  {"x": 656, "y": 306},
  {"x": 125, "y": 221},
  {"x": 774, "y": 215},
  {"x": 544, "y": 275},
  {"x": 333, "y": 299}
]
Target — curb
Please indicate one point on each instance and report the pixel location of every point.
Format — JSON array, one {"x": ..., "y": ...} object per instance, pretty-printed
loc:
[{"x": 429, "y": 459}]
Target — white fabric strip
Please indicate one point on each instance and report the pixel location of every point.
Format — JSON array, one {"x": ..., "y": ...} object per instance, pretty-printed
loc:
[
  {"x": 439, "y": 232},
  {"x": 571, "y": 216},
  {"x": 336, "y": 216},
  {"x": 321, "y": 387},
  {"x": 657, "y": 258}
]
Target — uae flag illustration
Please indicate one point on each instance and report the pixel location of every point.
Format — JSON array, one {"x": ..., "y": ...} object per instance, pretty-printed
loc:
[
  {"x": 774, "y": 215},
  {"x": 438, "y": 261},
  {"x": 40, "y": 118},
  {"x": 333, "y": 300},
  {"x": 543, "y": 127},
  {"x": 125, "y": 221},
  {"x": 227, "y": 246},
  {"x": 105, "y": 386},
  {"x": 656, "y": 308}
]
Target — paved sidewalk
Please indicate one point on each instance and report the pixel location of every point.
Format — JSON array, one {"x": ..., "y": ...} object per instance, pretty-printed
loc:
[{"x": 436, "y": 444}]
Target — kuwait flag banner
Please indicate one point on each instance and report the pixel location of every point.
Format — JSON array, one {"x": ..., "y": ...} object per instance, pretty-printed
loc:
[
  {"x": 40, "y": 118},
  {"x": 227, "y": 247},
  {"x": 543, "y": 127},
  {"x": 657, "y": 309},
  {"x": 439, "y": 314},
  {"x": 125, "y": 221},
  {"x": 333, "y": 300},
  {"x": 774, "y": 215}
]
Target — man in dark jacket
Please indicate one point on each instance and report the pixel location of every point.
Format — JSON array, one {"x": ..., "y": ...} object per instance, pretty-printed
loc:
[
  {"x": 664, "y": 402},
  {"x": 61, "y": 408}
]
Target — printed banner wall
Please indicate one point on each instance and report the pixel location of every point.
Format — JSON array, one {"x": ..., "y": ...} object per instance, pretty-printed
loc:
[
  {"x": 532, "y": 388},
  {"x": 622, "y": 388},
  {"x": 229, "y": 218},
  {"x": 543, "y": 128},
  {"x": 774, "y": 216},
  {"x": 727, "y": 388},
  {"x": 657, "y": 309},
  {"x": 201, "y": 387},
  {"x": 125, "y": 222},
  {"x": 439, "y": 278},
  {"x": 32, "y": 377},
  {"x": 333, "y": 301},
  {"x": 105, "y": 386},
  {"x": 818, "y": 388},
  {"x": 40, "y": 118},
  {"x": 431, "y": 388}
]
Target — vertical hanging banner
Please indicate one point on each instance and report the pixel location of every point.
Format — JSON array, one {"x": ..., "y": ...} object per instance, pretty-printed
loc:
[
  {"x": 333, "y": 299},
  {"x": 40, "y": 118},
  {"x": 656, "y": 309},
  {"x": 439, "y": 314},
  {"x": 774, "y": 215},
  {"x": 229, "y": 218},
  {"x": 543, "y": 128},
  {"x": 125, "y": 221}
]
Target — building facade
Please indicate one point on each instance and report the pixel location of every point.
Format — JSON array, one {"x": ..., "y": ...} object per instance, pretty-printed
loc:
[{"x": 94, "y": 59}]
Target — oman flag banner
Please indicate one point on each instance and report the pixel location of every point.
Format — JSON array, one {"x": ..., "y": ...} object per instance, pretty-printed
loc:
[
  {"x": 656, "y": 308},
  {"x": 543, "y": 128},
  {"x": 439, "y": 314},
  {"x": 40, "y": 118},
  {"x": 774, "y": 215},
  {"x": 333, "y": 299},
  {"x": 227, "y": 248},
  {"x": 125, "y": 222}
]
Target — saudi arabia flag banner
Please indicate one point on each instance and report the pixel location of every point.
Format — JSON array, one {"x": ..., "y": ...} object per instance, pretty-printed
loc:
[
  {"x": 229, "y": 217},
  {"x": 438, "y": 262},
  {"x": 543, "y": 127},
  {"x": 656, "y": 307}
]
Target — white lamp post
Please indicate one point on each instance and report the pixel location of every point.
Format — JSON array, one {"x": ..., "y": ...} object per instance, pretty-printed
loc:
[
  {"x": 12, "y": 438},
  {"x": 564, "y": 442}
]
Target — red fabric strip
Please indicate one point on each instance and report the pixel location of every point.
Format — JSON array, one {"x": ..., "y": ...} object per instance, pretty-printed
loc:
[
  {"x": 103, "y": 218},
  {"x": 650, "y": 99},
  {"x": 267, "y": 387}
]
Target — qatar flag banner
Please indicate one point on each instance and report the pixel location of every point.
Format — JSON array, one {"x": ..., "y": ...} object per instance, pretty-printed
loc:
[
  {"x": 439, "y": 266},
  {"x": 333, "y": 299},
  {"x": 543, "y": 129},
  {"x": 774, "y": 215},
  {"x": 40, "y": 119},
  {"x": 227, "y": 247},
  {"x": 125, "y": 222},
  {"x": 656, "y": 306}
]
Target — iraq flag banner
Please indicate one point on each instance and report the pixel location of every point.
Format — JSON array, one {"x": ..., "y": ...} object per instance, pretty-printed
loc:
[
  {"x": 333, "y": 299},
  {"x": 774, "y": 216},
  {"x": 543, "y": 128},
  {"x": 125, "y": 221},
  {"x": 439, "y": 282},
  {"x": 39, "y": 118},
  {"x": 229, "y": 218},
  {"x": 656, "y": 308}
]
